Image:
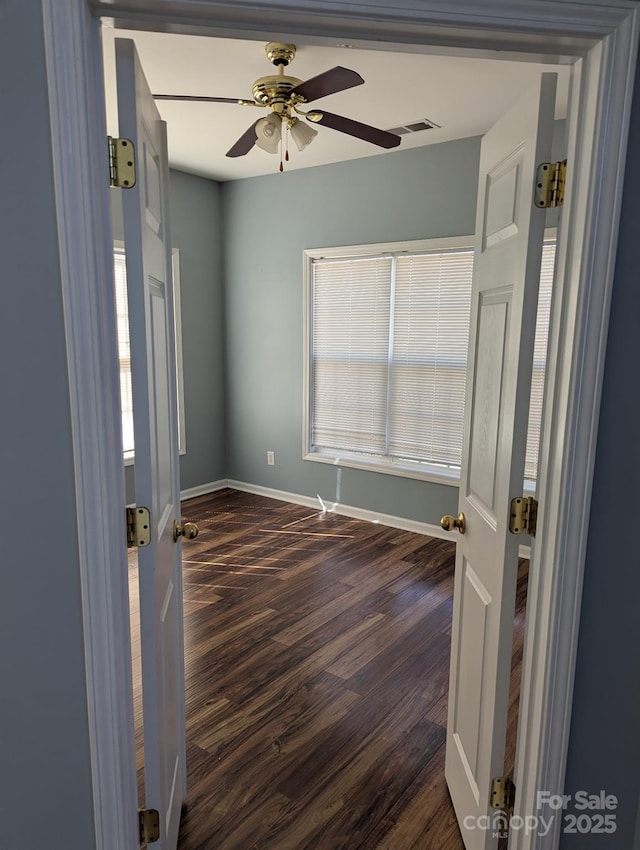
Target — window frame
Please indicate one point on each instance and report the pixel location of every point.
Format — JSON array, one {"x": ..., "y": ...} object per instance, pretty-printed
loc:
[
  {"x": 406, "y": 469},
  {"x": 129, "y": 456},
  {"x": 423, "y": 471}
]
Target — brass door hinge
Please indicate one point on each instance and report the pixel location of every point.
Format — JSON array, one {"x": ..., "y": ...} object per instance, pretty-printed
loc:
[
  {"x": 503, "y": 794},
  {"x": 138, "y": 527},
  {"x": 523, "y": 515},
  {"x": 550, "y": 180},
  {"x": 122, "y": 163},
  {"x": 149, "y": 822}
]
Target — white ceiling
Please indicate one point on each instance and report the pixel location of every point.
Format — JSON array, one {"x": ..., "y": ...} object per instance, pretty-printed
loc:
[{"x": 464, "y": 96}]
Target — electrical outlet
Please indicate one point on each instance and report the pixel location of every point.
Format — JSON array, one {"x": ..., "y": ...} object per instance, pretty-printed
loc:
[{"x": 271, "y": 458}]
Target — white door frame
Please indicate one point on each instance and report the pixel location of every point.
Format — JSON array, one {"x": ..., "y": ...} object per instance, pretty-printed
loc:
[{"x": 605, "y": 36}]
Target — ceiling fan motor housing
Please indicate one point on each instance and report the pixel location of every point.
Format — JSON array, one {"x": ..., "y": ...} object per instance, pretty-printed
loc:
[
  {"x": 274, "y": 91},
  {"x": 280, "y": 54}
]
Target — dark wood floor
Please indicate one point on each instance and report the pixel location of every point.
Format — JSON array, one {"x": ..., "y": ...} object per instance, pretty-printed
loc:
[{"x": 317, "y": 658}]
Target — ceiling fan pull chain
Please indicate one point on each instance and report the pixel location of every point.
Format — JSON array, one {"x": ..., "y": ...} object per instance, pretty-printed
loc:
[{"x": 286, "y": 150}]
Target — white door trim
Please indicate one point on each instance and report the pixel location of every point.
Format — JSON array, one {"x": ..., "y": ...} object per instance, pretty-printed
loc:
[
  {"x": 78, "y": 131},
  {"x": 577, "y": 347},
  {"x": 588, "y": 242}
]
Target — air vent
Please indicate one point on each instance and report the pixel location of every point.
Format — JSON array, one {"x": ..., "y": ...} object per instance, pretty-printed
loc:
[{"x": 415, "y": 127}]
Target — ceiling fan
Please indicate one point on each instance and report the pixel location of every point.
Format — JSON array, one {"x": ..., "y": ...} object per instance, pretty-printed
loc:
[{"x": 283, "y": 95}]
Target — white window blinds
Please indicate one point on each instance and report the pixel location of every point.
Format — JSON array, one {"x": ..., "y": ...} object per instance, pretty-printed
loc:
[
  {"x": 350, "y": 343},
  {"x": 429, "y": 362},
  {"x": 124, "y": 351},
  {"x": 388, "y": 357},
  {"x": 539, "y": 359}
]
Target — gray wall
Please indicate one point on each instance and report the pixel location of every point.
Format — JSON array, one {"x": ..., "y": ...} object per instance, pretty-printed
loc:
[
  {"x": 196, "y": 225},
  {"x": 604, "y": 748},
  {"x": 200, "y": 209},
  {"x": 413, "y": 194},
  {"x": 197, "y": 230},
  {"x": 44, "y": 745},
  {"x": 268, "y": 222}
]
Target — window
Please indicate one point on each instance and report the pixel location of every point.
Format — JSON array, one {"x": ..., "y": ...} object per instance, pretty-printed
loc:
[
  {"x": 124, "y": 352},
  {"x": 540, "y": 358},
  {"x": 387, "y": 336}
]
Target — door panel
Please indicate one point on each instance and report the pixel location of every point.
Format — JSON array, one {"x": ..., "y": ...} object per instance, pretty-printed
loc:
[
  {"x": 492, "y": 324},
  {"x": 475, "y": 603},
  {"x": 509, "y": 235},
  {"x": 501, "y": 214},
  {"x": 150, "y": 293}
]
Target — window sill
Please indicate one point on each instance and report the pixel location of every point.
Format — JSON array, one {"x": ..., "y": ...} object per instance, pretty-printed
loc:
[
  {"x": 404, "y": 470},
  {"x": 436, "y": 476}
]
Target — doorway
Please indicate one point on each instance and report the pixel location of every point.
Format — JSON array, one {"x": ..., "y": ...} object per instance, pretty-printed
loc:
[
  {"x": 561, "y": 481},
  {"x": 267, "y": 285}
]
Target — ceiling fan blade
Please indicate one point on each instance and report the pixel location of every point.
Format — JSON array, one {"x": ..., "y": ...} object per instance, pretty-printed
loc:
[
  {"x": 246, "y": 141},
  {"x": 361, "y": 131},
  {"x": 202, "y": 99},
  {"x": 329, "y": 82}
]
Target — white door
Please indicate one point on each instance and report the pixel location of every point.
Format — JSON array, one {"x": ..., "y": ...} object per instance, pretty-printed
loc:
[
  {"x": 509, "y": 234},
  {"x": 148, "y": 256}
]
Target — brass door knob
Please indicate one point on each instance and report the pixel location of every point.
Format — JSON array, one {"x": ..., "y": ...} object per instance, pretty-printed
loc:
[
  {"x": 450, "y": 523},
  {"x": 189, "y": 530}
]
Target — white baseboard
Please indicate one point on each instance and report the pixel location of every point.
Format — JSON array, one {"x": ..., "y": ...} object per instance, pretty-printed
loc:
[
  {"x": 343, "y": 510},
  {"x": 330, "y": 507},
  {"x": 203, "y": 489},
  {"x": 270, "y": 493}
]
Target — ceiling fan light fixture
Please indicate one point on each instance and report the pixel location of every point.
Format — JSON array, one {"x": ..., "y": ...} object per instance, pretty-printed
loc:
[
  {"x": 302, "y": 134},
  {"x": 269, "y": 132}
]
